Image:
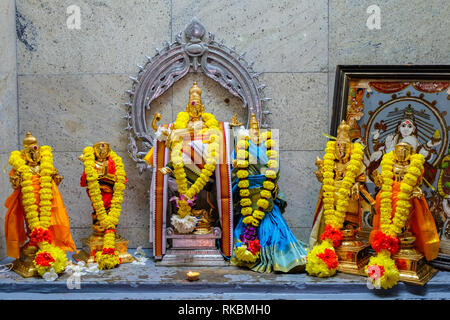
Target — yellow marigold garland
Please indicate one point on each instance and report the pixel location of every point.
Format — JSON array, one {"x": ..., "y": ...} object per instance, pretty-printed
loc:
[
  {"x": 108, "y": 258},
  {"x": 188, "y": 194},
  {"x": 248, "y": 251},
  {"x": 392, "y": 227},
  {"x": 322, "y": 259},
  {"x": 38, "y": 214}
]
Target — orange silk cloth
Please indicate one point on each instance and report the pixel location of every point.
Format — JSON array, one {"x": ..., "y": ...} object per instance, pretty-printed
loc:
[
  {"x": 420, "y": 220},
  {"x": 15, "y": 232}
]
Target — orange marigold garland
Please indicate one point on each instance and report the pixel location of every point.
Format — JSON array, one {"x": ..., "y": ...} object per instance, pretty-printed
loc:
[
  {"x": 322, "y": 260},
  {"x": 385, "y": 241}
]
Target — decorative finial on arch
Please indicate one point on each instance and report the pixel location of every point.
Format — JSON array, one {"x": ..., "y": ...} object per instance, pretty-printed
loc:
[{"x": 195, "y": 31}]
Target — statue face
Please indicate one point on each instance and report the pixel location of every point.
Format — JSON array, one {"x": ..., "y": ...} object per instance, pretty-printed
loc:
[
  {"x": 195, "y": 109},
  {"x": 406, "y": 127},
  {"x": 33, "y": 154},
  {"x": 101, "y": 151},
  {"x": 403, "y": 152},
  {"x": 342, "y": 150}
]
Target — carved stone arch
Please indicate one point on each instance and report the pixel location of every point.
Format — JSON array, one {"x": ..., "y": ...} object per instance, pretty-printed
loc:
[{"x": 200, "y": 52}]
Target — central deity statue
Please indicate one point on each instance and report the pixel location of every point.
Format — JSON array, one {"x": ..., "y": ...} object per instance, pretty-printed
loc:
[{"x": 191, "y": 184}]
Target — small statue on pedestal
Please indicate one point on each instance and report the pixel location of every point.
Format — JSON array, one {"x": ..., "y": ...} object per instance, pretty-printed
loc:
[
  {"x": 263, "y": 241},
  {"x": 104, "y": 176},
  {"x": 402, "y": 220},
  {"x": 37, "y": 204},
  {"x": 338, "y": 211}
]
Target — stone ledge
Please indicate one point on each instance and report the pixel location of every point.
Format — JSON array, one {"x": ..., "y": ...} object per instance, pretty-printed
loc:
[{"x": 157, "y": 282}]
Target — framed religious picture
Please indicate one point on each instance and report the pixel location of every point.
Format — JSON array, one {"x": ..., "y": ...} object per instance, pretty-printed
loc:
[{"x": 388, "y": 105}]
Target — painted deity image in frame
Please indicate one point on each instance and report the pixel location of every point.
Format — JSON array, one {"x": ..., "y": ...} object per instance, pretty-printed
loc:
[{"x": 389, "y": 105}]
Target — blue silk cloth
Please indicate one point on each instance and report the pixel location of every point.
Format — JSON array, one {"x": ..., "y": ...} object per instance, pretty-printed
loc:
[{"x": 280, "y": 250}]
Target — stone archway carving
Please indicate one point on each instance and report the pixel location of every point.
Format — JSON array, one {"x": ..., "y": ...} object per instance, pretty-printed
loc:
[{"x": 200, "y": 52}]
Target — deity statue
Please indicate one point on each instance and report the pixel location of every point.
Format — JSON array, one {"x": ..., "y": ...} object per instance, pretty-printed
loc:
[
  {"x": 410, "y": 126},
  {"x": 402, "y": 221},
  {"x": 104, "y": 178},
  {"x": 338, "y": 211},
  {"x": 263, "y": 240},
  {"x": 36, "y": 212},
  {"x": 191, "y": 185}
]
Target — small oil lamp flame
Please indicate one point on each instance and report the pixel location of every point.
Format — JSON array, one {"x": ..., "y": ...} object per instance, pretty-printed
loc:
[{"x": 192, "y": 275}]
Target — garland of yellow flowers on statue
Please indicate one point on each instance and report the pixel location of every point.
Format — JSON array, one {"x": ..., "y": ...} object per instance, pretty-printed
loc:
[
  {"x": 108, "y": 258},
  {"x": 322, "y": 259},
  {"x": 247, "y": 249},
  {"x": 183, "y": 221},
  {"x": 38, "y": 214},
  {"x": 382, "y": 267}
]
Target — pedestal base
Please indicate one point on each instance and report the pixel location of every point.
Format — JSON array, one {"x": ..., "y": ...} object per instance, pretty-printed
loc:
[
  {"x": 24, "y": 266},
  {"x": 193, "y": 250},
  {"x": 353, "y": 257},
  {"x": 95, "y": 243},
  {"x": 413, "y": 268}
]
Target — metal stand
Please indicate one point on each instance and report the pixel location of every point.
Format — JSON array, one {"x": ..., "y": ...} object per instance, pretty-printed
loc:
[
  {"x": 193, "y": 250},
  {"x": 95, "y": 243},
  {"x": 353, "y": 255}
]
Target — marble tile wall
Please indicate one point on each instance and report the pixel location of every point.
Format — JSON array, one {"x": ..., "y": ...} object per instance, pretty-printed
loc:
[
  {"x": 70, "y": 83},
  {"x": 8, "y": 103}
]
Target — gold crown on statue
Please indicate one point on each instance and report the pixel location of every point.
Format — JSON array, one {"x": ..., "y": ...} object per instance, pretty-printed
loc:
[
  {"x": 343, "y": 133},
  {"x": 29, "y": 140},
  {"x": 195, "y": 94},
  {"x": 101, "y": 144},
  {"x": 253, "y": 124}
]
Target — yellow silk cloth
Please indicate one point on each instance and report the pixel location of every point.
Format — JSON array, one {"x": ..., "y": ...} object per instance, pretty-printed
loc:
[
  {"x": 420, "y": 220},
  {"x": 15, "y": 232}
]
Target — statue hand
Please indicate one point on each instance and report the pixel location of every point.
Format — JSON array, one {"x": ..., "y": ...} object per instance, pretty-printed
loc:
[
  {"x": 377, "y": 179},
  {"x": 16, "y": 180},
  {"x": 355, "y": 191},
  {"x": 157, "y": 117},
  {"x": 319, "y": 175},
  {"x": 319, "y": 171},
  {"x": 234, "y": 121},
  {"x": 56, "y": 177},
  {"x": 417, "y": 193},
  {"x": 110, "y": 177}
]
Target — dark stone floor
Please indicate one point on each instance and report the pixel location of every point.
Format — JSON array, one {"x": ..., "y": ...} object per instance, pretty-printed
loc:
[{"x": 151, "y": 281}]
